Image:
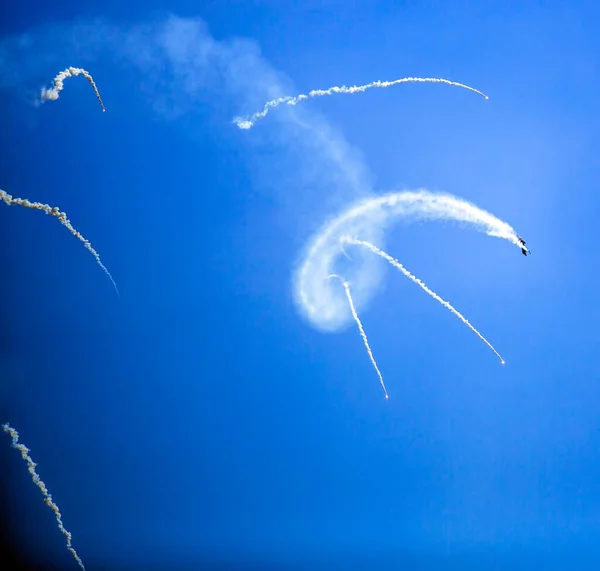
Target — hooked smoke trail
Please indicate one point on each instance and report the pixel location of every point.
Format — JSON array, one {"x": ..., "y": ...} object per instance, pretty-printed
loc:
[
  {"x": 415, "y": 279},
  {"x": 40, "y": 484},
  {"x": 289, "y": 100},
  {"x": 62, "y": 217},
  {"x": 52, "y": 93},
  {"x": 319, "y": 302},
  {"x": 360, "y": 329}
]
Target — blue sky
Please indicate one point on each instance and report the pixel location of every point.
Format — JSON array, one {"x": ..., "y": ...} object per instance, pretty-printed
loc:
[{"x": 200, "y": 418}]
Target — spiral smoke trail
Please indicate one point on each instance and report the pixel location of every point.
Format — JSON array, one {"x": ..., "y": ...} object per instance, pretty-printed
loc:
[
  {"x": 368, "y": 219},
  {"x": 325, "y": 307}
]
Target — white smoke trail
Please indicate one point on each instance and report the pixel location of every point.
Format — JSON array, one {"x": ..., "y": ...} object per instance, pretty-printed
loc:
[
  {"x": 52, "y": 93},
  {"x": 40, "y": 484},
  {"x": 62, "y": 218},
  {"x": 319, "y": 302},
  {"x": 415, "y": 279},
  {"x": 289, "y": 100},
  {"x": 360, "y": 329}
]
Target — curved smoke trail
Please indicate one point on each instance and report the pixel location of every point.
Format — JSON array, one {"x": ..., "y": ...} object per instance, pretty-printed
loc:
[
  {"x": 324, "y": 305},
  {"x": 289, "y": 100},
  {"x": 53, "y": 93},
  {"x": 10, "y": 200}
]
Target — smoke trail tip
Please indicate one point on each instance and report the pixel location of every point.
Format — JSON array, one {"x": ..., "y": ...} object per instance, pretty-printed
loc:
[
  {"x": 336, "y": 276},
  {"x": 344, "y": 252},
  {"x": 244, "y": 124},
  {"x": 48, "y": 94}
]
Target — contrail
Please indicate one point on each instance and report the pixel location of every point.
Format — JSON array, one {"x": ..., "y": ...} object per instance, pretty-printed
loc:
[
  {"x": 52, "y": 93},
  {"x": 360, "y": 329},
  {"x": 40, "y": 484},
  {"x": 247, "y": 123},
  {"x": 415, "y": 279},
  {"x": 62, "y": 217}
]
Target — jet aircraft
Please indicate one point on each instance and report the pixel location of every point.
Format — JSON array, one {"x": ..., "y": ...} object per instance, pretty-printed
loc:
[{"x": 524, "y": 249}]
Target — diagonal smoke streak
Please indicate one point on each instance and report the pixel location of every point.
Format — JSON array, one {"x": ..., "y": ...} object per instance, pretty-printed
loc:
[
  {"x": 294, "y": 100},
  {"x": 62, "y": 218},
  {"x": 415, "y": 279},
  {"x": 360, "y": 329},
  {"x": 40, "y": 484}
]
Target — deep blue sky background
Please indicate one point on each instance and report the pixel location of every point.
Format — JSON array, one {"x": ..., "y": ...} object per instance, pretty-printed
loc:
[{"x": 200, "y": 418}]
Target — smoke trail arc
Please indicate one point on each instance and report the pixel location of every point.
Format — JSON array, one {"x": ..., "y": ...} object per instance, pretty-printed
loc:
[
  {"x": 319, "y": 302},
  {"x": 52, "y": 94},
  {"x": 248, "y": 122}
]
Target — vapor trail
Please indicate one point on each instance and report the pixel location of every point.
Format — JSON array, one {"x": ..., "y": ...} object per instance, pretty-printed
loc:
[
  {"x": 360, "y": 329},
  {"x": 289, "y": 100},
  {"x": 40, "y": 484},
  {"x": 62, "y": 217},
  {"x": 415, "y": 279},
  {"x": 52, "y": 93}
]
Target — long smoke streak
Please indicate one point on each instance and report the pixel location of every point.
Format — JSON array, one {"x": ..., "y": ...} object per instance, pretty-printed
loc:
[
  {"x": 294, "y": 100},
  {"x": 62, "y": 217},
  {"x": 40, "y": 484},
  {"x": 52, "y": 93},
  {"x": 360, "y": 329},
  {"x": 415, "y": 279}
]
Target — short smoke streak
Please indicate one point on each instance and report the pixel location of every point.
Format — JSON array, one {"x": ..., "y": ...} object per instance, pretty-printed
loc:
[{"x": 361, "y": 329}]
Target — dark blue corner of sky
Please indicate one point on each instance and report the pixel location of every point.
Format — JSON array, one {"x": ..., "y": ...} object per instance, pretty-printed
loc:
[{"x": 199, "y": 421}]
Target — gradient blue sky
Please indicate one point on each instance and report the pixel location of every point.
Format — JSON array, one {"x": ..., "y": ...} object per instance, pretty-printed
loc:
[{"x": 200, "y": 418}]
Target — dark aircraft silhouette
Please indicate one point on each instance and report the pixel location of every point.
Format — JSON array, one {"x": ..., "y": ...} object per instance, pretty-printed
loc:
[{"x": 524, "y": 248}]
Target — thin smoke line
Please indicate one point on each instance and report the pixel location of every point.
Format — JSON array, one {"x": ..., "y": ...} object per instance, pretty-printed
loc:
[
  {"x": 247, "y": 123},
  {"x": 360, "y": 329}
]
